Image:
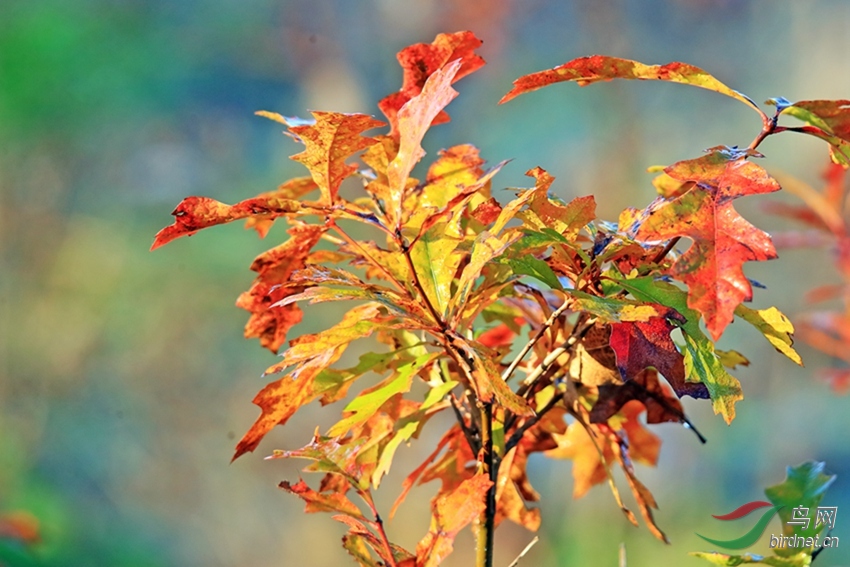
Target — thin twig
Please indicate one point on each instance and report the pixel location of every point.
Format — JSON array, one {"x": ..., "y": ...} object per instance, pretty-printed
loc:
[
  {"x": 623, "y": 554},
  {"x": 522, "y": 553},
  {"x": 537, "y": 336},
  {"x": 353, "y": 243}
]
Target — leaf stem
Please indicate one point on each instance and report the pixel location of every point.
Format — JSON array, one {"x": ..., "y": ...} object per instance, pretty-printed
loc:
[
  {"x": 378, "y": 523},
  {"x": 354, "y": 244}
]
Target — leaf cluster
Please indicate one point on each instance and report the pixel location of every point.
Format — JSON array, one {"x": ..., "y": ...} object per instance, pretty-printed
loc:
[{"x": 538, "y": 326}]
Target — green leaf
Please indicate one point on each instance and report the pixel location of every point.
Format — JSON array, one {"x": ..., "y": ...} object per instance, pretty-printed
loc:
[
  {"x": 530, "y": 266},
  {"x": 407, "y": 428},
  {"x": 370, "y": 401},
  {"x": 775, "y": 327},
  {"x": 436, "y": 263},
  {"x": 803, "y": 489}
]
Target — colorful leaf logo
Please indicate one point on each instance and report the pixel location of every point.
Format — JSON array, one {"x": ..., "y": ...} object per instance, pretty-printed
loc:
[{"x": 751, "y": 536}]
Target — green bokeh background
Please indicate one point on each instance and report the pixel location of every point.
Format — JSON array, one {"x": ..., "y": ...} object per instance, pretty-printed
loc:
[{"x": 124, "y": 378}]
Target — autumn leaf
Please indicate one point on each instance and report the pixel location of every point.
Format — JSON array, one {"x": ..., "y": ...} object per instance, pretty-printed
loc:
[
  {"x": 414, "y": 119},
  {"x": 332, "y": 455},
  {"x": 775, "y": 327},
  {"x": 435, "y": 261},
  {"x": 370, "y": 401},
  {"x": 335, "y": 502},
  {"x": 544, "y": 213},
  {"x": 722, "y": 240},
  {"x": 274, "y": 267},
  {"x": 293, "y": 189},
  {"x": 332, "y": 139},
  {"x": 641, "y": 344},
  {"x": 280, "y": 399},
  {"x": 421, "y": 60},
  {"x": 196, "y": 213},
  {"x": 829, "y": 120},
  {"x": 361, "y": 321},
  {"x": 589, "y": 466},
  {"x": 451, "y": 513},
  {"x": 595, "y": 68},
  {"x": 702, "y": 364},
  {"x": 660, "y": 402}
]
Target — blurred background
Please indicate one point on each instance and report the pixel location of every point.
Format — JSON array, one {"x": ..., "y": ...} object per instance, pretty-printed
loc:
[{"x": 124, "y": 378}]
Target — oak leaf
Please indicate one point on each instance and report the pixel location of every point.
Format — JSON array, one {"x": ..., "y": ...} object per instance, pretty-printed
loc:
[
  {"x": 329, "y": 142},
  {"x": 722, "y": 240},
  {"x": 595, "y": 68},
  {"x": 421, "y": 60}
]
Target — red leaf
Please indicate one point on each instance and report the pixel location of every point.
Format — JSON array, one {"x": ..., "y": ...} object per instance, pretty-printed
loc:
[
  {"x": 713, "y": 265},
  {"x": 421, "y": 60},
  {"x": 195, "y": 213},
  {"x": 329, "y": 141},
  {"x": 275, "y": 266}
]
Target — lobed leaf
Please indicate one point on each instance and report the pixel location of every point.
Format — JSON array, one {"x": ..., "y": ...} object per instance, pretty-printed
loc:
[
  {"x": 329, "y": 142},
  {"x": 280, "y": 399},
  {"x": 775, "y": 327},
  {"x": 414, "y": 119},
  {"x": 701, "y": 362},
  {"x": 196, "y": 213},
  {"x": 722, "y": 240},
  {"x": 595, "y": 68},
  {"x": 336, "y": 502},
  {"x": 421, "y": 60},
  {"x": 451, "y": 512},
  {"x": 371, "y": 400}
]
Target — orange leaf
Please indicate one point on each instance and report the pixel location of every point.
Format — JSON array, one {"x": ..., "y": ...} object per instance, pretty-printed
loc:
[
  {"x": 588, "y": 467},
  {"x": 329, "y": 141},
  {"x": 280, "y": 399},
  {"x": 267, "y": 323},
  {"x": 713, "y": 265},
  {"x": 421, "y": 60},
  {"x": 318, "y": 502},
  {"x": 451, "y": 513},
  {"x": 414, "y": 119},
  {"x": 587, "y": 70},
  {"x": 195, "y": 213},
  {"x": 361, "y": 321}
]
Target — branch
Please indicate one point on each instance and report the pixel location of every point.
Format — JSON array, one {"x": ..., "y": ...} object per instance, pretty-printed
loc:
[
  {"x": 517, "y": 435},
  {"x": 537, "y": 336}
]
